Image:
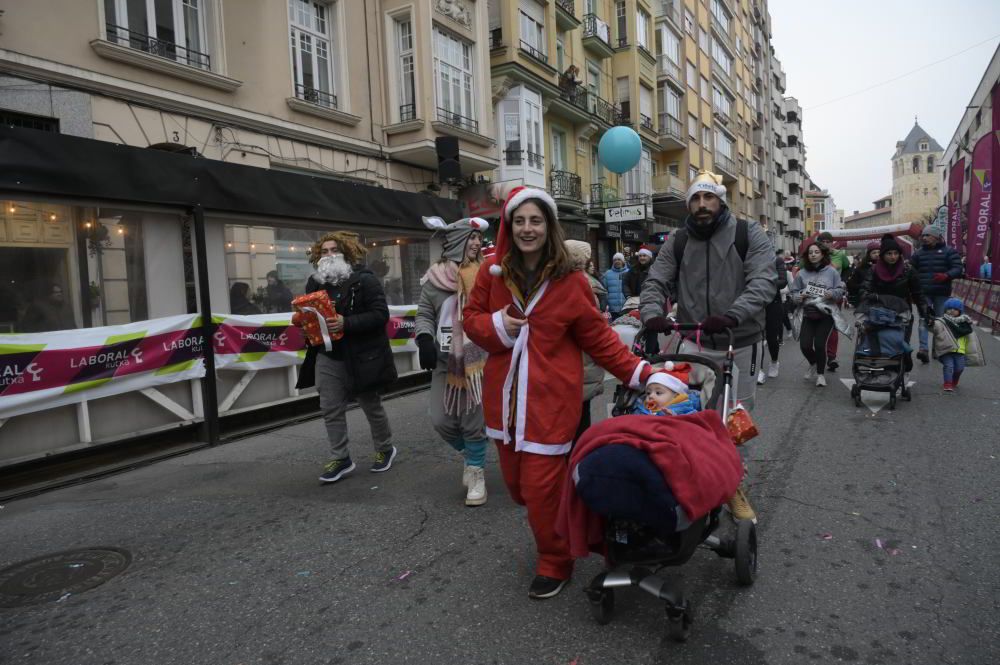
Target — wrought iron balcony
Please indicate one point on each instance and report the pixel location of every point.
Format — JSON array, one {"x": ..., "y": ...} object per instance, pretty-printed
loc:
[
  {"x": 535, "y": 160},
  {"x": 565, "y": 185},
  {"x": 534, "y": 52},
  {"x": 458, "y": 120},
  {"x": 407, "y": 112},
  {"x": 622, "y": 42},
  {"x": 573, "y": 92},
  {"x": 601, "y": 194},
  {"x": 512, "y": 157},
  {"x": 646, "y": 122},
  {"x": 496, "y": 39},
  {"x": 314, "y": 96},
  {"x": 605, "y": 110},
  {"x": 159, "y": 47},
  {"x": 567, "y": 5}
]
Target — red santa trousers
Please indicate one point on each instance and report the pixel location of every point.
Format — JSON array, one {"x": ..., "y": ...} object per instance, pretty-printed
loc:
[
  {"x": 831, "y": 345},
  {"x": 536, "y": 482}
]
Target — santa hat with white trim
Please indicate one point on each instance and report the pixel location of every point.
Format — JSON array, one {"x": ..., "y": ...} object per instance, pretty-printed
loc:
[
  {"x": 673, "y": 376},
  {"x": 518, "y": 196}
]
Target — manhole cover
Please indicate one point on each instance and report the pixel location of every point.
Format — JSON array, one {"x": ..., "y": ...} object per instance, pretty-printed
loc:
[{"x": 53, "y": 576}]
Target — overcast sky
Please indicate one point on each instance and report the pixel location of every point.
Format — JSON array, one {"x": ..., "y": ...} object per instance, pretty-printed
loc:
[{"x": 832, "y": 48}]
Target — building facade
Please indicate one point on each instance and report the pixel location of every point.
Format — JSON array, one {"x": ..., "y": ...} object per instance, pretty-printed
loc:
[
  {"x": 916, "y": 164},
  {"x": 879, "y": 215},
  {"x": 354, "y": 94}
]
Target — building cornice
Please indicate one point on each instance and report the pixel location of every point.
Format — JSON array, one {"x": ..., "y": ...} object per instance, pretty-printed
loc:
[
  {"x": 155, "y": 63},
  {"x": 81, "y": 79}
]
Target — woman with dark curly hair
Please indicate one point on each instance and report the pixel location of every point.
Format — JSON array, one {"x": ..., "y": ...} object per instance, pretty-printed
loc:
[
  {"x": 359, "y": 363},
  {"x": 816, "y": 290}
]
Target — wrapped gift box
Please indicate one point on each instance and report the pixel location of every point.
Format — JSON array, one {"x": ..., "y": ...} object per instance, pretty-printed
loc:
[
  {"x": 741, "y": 426},
  {"x": 310, "y": 313}
]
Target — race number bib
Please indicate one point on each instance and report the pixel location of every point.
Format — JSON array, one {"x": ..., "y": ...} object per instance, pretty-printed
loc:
[
  {"x": 444, "y": 338},
  {"x": 815, "y": 291}
]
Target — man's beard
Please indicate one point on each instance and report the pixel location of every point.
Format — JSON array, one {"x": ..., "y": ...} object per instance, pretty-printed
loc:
[{"x": 333, "y": 269}]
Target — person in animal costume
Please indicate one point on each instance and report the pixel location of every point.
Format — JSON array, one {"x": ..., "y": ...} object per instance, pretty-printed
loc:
[
  {"x": 456, "y": 398},
  {"x": 534, "y": 315}
]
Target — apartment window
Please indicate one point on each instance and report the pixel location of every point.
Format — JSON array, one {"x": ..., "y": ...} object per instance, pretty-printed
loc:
[
  {"x": 638, "y": 182},
  {"x": 721, "y": 56},
  {"x": 520, "y": 114},
  {"x": 722, "y": 103},
  {"x": 916, "y": 165},
  {"x": 173, "y": 29},
  {"x": 930, "y": 163},
  {"x": 706, "y": 93},
  {"x": 311, "y": 52},
  {"x": 721, "y": 15},
  {"x": 558, "y": 150},
  {"x": 924, "y": 147},
  {"x": 561, "y": 52},
  {"x": 670, "y": 45},
  {"x": 642, "y": 29},
  {"x": 723, "y": 145},
  {"x": 692, "y": 76},
  {"x": 621, "y": 22},
  {"x": 646, "y": 106},
  {"x": 693, "y": 127},
  {"x": 671, "y": 102},
  {"x": 703, "y": 39},
  {"x": 533, "y": 28},
  {"x": 453, "y": 81},
  {"x": 689, "y": 22},
  {"x": 692, "y": 173},
  {"x": 404, "y": 65}
]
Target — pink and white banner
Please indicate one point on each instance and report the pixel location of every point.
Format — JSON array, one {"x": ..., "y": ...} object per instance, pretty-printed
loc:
[
  {"x": 995, "y": 201},
  {"x": 44, "y": 370},
  {"x": 956, "y": 182},
  {"x": 980, "y": 217},
  {"x": 256, "y": 342}
]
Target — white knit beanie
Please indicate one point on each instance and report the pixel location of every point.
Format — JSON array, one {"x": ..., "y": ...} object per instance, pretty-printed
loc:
[{"x": 706, "y": 181}]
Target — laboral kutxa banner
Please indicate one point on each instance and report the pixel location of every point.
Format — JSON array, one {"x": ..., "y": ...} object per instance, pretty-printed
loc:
[
  {"x": 980, "y": 215},
  {"x": 995, "y": 200},
  {"x": 263, "y": 341},
  {"x": 44, "y": 370},
  {"x": 956, "y": 181}
]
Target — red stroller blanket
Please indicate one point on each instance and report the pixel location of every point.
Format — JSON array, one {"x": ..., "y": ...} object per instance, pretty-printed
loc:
[{"x": 695, "y": 454}]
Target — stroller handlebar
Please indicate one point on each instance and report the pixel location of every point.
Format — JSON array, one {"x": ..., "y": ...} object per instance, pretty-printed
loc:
[{"x": 696, "y": 327}]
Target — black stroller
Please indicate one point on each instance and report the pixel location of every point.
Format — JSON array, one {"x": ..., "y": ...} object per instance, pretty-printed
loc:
[
  {"x": 881, "y": 352},
  {"x": 637, "y": 550}
]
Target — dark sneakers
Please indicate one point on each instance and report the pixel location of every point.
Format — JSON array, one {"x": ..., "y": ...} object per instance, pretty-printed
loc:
[
  {"x": 543, "y": 587},
  {"x": 832, "y": 365},
  {"x": 383, "y": 461},
  {"x": 336, "y": 469},
  {"x": 923, "y": 357}
]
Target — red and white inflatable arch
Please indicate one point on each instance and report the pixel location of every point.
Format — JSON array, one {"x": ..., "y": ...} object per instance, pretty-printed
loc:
[{"x": 858, "y": 239}]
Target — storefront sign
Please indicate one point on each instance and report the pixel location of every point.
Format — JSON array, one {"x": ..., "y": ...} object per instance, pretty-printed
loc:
[
  {"x": 632, "y": 234},
  {"x": 980, "y": 217},
  {"x": 44, "y": 370},
  {"x": 625, "y": 213},
  {"x": 613, "y": 230}
]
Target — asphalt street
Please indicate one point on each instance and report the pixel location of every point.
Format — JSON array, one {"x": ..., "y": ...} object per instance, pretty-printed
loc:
[{"x": 878, "y": 544}]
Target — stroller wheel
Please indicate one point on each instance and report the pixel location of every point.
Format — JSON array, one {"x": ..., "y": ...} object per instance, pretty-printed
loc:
[
  {"x": 602, "y": 605},
  {"x": 746, "y": 552},
  {"x": 679, "y": 623}
]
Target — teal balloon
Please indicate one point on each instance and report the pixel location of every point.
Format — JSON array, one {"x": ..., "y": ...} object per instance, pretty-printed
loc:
[{"x": 620, "y": 149}]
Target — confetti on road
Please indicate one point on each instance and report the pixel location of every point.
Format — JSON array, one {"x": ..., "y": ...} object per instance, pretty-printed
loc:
[
  {"x": 826, "y": 536},
  {"x": 404, "y": 575},
  {"x": 303, "y": 573}
]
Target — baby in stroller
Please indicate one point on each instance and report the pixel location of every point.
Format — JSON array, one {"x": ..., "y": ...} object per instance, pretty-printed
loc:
[{"x": 646, "y": 491}]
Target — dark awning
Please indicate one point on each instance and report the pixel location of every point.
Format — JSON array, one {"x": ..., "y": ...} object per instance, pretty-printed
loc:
[{"x": 39, "y": 164}]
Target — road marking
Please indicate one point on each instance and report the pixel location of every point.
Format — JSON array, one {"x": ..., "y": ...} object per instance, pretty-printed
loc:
[{"x": 874, "y": 401}]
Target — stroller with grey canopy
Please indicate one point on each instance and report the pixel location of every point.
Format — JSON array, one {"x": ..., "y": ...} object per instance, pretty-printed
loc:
[{"x": 882, "y": 354}]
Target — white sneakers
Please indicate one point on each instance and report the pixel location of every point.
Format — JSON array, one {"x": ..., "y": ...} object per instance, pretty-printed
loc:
[
  {"x": 821, "y": 381},
  {"x": 772, "y": 371},
  {"x": 810, "y": 373},
  {"x": 760, "y": 378},
  {"x": 474, "y": 479}
]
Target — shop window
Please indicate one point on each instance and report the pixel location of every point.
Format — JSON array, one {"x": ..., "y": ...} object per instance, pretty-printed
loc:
[
  {"x": 266, "y": 266},
  {"x": 14, "y": 119},
  {"x": 65, "y": 267}
]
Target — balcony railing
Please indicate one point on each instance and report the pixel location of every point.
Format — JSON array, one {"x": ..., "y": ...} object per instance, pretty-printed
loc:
[
  {"x": 668, "y": 183},
  {"x": 621, "y": 42},
  {"x": 534, "y": 52},
  {"x": 573, "y": 92},
  {"x": 669, "y": 67},
  {"x": 605, "y": 110},
  {"x": 160, "y": 47},
  {"x": 565, "y": 185},
  {"x": 601, "y": 194},
  {"x": 512, "y": 157},
  {"x": 726, "y": 164},
  {"x": 314, "y": 96},
  {"x": 407, "y": 112},
  {"x": 458, "y": 120},
  {"x": 671, "y": 126},
  {"x": 595, "y": 27},
  {"x": 567, "y": 5},
  {"x": 646, "y": 122},
  {"x": 669, "y": 9}
]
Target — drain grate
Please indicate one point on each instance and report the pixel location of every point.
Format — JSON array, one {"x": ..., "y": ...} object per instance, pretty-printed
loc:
[{"x": 54, "y": 576}]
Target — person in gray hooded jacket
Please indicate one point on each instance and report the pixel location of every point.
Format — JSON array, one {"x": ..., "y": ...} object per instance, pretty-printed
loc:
[
  {"x": 457, "y": 364},
  {"x": 718, "y": 284}
]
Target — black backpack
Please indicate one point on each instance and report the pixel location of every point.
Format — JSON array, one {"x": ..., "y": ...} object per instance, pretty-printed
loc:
[{"x": 742, "y": 243}]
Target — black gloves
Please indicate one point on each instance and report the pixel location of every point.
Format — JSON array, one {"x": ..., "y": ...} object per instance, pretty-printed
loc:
[
  {"x": 716, "y": 324},
  {"x": 659, "y": 324},
  {"x": 428, "y": 351}
]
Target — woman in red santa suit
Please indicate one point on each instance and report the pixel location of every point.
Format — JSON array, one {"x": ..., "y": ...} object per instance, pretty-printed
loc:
[{"x": 534, "y": 315}]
